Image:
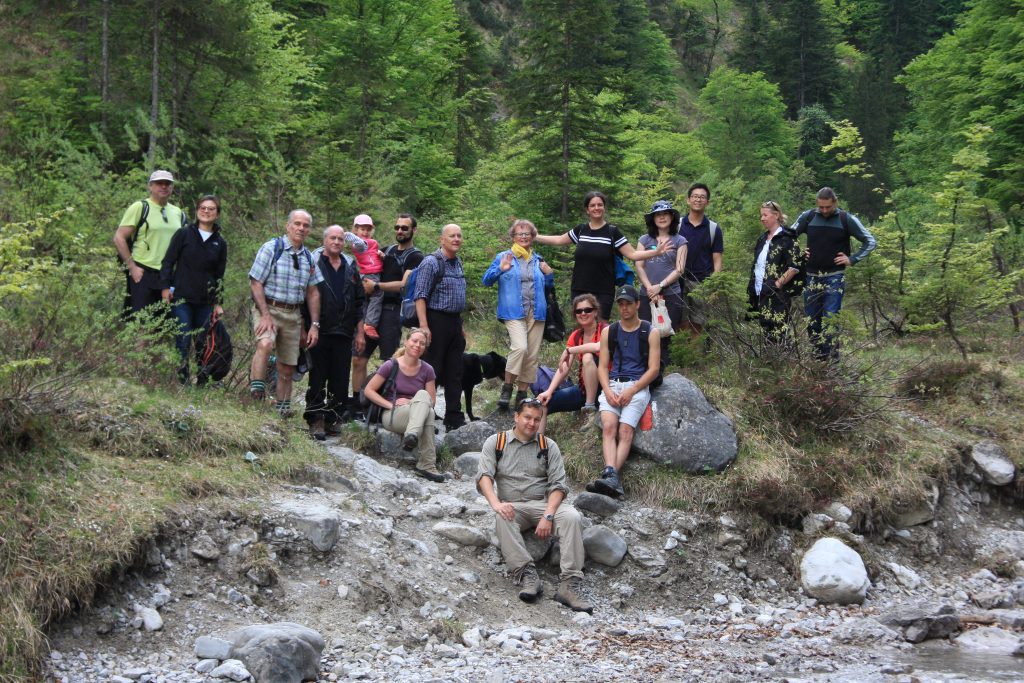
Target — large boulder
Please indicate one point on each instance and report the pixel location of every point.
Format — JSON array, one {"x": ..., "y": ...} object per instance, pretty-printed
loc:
[
  {"x": 833, "y": 572},
  {"x": 688, "y": 432},
  {"x": 469, "y": 437},
  {"x": 993, "y": 464},
  {"x": 278, "y": 653}
]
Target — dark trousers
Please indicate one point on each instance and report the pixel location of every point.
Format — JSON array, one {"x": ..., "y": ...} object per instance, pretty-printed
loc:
[
  {"x": 327, "y": 395},
  {"x": 447, "y": 343},
  {"x": 771, "y": 308},
  {"x": 823, "y": 299},
  {"x": 146, "y": 291}
]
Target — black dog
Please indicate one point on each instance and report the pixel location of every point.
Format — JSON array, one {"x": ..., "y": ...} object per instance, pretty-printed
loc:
[{"x": 475, "y": 369}]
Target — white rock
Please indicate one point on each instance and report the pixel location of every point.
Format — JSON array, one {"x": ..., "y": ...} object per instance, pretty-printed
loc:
[
  {"x": 996, "y": 468},
  {"x": 991, "y": 640},
  {"x": 232, "y": 669},
  {"x": 151, "y": 619},
  {"x": 462, "y": 534},
  {"x": 472, "y": 637},
  {"x": 205, "y": 666},
  {"x": 208, "y": 647},
  {"x": 833, "y": 572},
  {"x": 905, "y": 576},
  {"x": 839, "y": 512}
]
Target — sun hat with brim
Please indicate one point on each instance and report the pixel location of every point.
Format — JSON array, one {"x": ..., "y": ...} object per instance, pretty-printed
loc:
[
  {"x": 161, "y": 175},
  {"x": 658, "y": 207}
]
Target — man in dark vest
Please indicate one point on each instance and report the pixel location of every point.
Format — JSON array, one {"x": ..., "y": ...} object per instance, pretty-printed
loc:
[
  {"x": 828, "y": 255},
  {"x": 341, "y": 330}
]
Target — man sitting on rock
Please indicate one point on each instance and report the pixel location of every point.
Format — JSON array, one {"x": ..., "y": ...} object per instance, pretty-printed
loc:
[
  {"x": 630, "y": 361},
  {"x": 528, "y": 472}
]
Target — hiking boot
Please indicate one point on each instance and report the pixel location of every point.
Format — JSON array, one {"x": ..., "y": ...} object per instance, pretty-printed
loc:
[
  {"x": 527, "y": 577},
  {"x": 588, "y": 408},
  {"x": 506, "y": 397},
  {"x": 608, "y": 484},
  {"x": 371, "y": 332},
  {"x": 316, "y": 429},
  {"x": 520, "y": 396},
  {"x": 431, "y": 475},
  {"x": 570, "y": 594},
  {"x": 410, "y": 441}
]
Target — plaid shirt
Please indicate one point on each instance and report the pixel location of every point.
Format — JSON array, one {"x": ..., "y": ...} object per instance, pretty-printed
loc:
[
  {"x": 522, "y": 474},
  {"x": 450, "y": 295},
  {"x": 283, "y": 281}
]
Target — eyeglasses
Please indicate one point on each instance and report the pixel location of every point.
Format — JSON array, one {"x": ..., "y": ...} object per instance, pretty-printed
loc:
[
  {"x": 585, "y": 311},
  {"x": 520, "y": 235},
  {"x": 403, "y": 228},
  {"x": 207, "y": 208},
  {"x": 699, "y": 197}
]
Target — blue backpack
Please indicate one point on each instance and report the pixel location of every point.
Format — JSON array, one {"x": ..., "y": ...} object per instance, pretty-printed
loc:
[
  {"x": 408, "y": 312},
  {"x": 624, "y": 275}
]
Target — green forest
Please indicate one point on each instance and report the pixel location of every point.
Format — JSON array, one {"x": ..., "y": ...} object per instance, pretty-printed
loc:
[{"x": 478, "y": 112}]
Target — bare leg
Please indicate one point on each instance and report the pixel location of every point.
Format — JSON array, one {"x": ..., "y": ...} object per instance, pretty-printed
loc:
[
  {"x": 625, "y": 442},
  {"x": 609, "y": 432},
  {"x": 284, "y": 381},
  {"x": 590, "y": 381}
]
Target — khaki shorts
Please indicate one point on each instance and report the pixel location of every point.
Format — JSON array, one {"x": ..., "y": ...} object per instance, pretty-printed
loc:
[
  {"x": 286, "y": 337},
  {"x": 694, "y": 311}
]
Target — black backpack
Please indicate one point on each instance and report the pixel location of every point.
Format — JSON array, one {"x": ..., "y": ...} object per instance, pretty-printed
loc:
[
  {"x": 645, "y": 331},
  {"x": 372, "y": 410},
  {"x": 554, "y": 322},
  {"x": 213, "y": 352}
]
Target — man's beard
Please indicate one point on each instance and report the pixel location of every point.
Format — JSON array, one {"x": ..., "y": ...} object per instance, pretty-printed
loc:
[{"x": 404, "y": 238}]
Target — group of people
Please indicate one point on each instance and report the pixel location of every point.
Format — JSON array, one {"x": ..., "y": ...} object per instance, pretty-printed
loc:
[{"x": 343, "y": 301}]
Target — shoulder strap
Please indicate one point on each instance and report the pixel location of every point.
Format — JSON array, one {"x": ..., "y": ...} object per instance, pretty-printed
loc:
[
  {"x": 645, "y": 332},
  {"x": 804, "y": 220},
  {"x": 143, "y": 215},
  {"x": 613, "y": 340},
  {"x": 844, "y": 218},
  {"x": 499, "y": 446},
  {"x": 543, "y": 453},
  {"x": 437, "y": 278}
]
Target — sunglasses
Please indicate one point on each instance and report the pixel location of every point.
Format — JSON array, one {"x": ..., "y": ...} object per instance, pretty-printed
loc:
[
  {"x": 403, "y": 228},
  {"x": 295, "y": 261},
  {"x": 584, "y": 311},
  {"x": 532, "y": 402},
  {"x": 771, "y": 205}
]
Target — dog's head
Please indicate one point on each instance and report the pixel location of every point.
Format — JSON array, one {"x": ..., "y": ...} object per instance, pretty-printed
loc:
[{"x": 492, "y": 365}]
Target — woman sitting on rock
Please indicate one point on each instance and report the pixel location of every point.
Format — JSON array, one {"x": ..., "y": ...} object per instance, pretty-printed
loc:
[{"x": 409, "y": 402}]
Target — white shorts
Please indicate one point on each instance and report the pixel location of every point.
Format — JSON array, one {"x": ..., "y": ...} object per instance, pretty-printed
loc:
[{"x": 631, "y": 413}]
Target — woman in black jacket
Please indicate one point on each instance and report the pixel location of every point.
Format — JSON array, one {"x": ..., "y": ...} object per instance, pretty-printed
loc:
[
  {"x": 193, "y": 273},
  {"x": 776, "y": 256}
]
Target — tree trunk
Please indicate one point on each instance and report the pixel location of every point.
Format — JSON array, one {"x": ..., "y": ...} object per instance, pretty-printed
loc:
[
  {"x": 105, "y": 64},
  {"x": 716, "y": 35},
  {"x": 565, "y": 152},
  {"x": 154, "y": 100}
]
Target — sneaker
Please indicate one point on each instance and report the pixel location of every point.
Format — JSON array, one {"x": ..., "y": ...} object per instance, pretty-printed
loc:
[
  {"x": 527, "y": 577},
  {"x": 410, "y": 441},
  {"x": 371, "y": 332},
  {"x": 569, "y": 594},
  {"x": 506, "y": 397},
  {"x": 431, "y": 475},
  {"x": 316, "y": 429}
]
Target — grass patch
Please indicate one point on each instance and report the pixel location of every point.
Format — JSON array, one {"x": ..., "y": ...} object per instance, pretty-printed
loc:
[{"x": 84, "y": 498}]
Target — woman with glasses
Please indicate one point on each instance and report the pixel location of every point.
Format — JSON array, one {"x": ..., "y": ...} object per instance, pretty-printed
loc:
[
  {"x": 192, "y": 276},
  {"x": 521, "y": 274},
  {"x": 776, "y": 256},
  {"x": 584, "y": 345},
  {"x": 597, "y": 241},
  {"x": 660, "y": 275},
  {"x": 408, "y": 401}
]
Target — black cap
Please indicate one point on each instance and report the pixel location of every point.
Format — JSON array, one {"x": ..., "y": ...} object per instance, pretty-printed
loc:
[{"x": 627, "y": 292}]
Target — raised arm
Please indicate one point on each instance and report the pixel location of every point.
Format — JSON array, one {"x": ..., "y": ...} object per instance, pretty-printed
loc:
[{"x": 553, "y": 240}]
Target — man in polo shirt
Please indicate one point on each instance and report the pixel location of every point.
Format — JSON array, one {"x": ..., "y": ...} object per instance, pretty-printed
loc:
[
  {"x": 142, "y": 242},
  {"x": 440, "y": 299},
  {"x": 400, "y": 259},
  {"x": 625, "y": 374},
  {"x": 526, "y": 488},
  {"x": 828, "y": 256},
  {"x": 279, "y": 286},
  {"x": 703, "y": 255}
]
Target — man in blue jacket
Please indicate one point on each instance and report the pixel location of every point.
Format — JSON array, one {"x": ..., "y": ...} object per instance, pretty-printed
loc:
[{"x": 828, "y": 255}]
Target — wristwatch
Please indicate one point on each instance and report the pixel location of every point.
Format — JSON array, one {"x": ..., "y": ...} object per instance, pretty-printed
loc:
[
  {"x": 550, "y": 517},
  {"x": 316, "y": 324}
]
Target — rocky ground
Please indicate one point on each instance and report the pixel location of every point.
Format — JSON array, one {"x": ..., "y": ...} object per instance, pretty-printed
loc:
[{"x": 403, "y": 582}]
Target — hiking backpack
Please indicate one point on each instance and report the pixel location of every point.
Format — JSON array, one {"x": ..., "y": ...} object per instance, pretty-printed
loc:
[
  {"x": 408, "y": 313},
  {"x": 214, "y": 352}
]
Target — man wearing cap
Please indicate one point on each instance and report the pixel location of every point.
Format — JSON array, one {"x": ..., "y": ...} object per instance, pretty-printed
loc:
[
  {"x": 142, "y": 239},
  {"x": 400, "y": 259},
  {"x": 703, "y": 254},
  {"x": 281, "y": 278},
  {"x": 630, "y": 361}
]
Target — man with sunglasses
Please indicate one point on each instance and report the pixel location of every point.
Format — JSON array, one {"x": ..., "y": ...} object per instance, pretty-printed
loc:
[
  {"x": 282, "y": 277},
  {"x": 142, "y": 239},
  {"x": 522, "y": 476},
  {"x": 400, "y": 259}
]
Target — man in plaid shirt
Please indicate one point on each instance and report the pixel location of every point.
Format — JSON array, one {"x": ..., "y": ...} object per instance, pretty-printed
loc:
[{"x": 279, "y": 287}]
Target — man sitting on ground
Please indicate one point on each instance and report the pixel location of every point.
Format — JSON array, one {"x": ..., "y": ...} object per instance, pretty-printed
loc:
[
  {"x": 630, "y": 361},
  {"x": 528, "y": 472}
]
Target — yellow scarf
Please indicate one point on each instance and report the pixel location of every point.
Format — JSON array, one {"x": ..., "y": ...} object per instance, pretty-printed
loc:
[{"x": 521, "y": 252}]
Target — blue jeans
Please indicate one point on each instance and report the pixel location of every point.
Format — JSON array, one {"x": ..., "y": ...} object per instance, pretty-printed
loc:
[
  {"x": 823, "y": 298},
  {"x": 191, "y": 318},
  {"x": 566, "y": 400}
]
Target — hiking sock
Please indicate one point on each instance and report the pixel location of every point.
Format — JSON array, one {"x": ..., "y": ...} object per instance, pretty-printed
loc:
[
  {"x": 257, "y": 385},
  {"x": 284, "y": 407}
]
